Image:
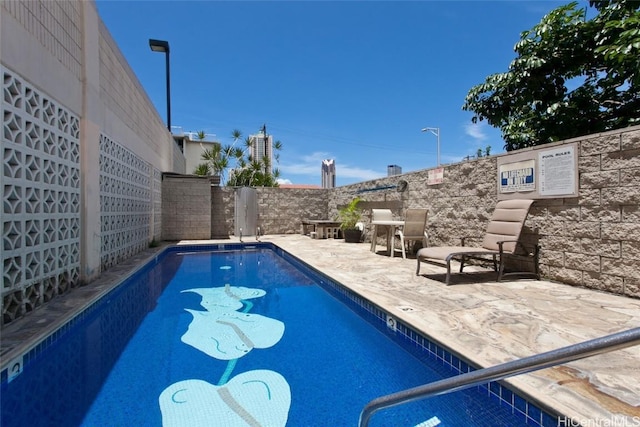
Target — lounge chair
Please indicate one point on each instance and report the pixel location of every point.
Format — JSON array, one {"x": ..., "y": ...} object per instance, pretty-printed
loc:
[
  {"x": 414, "y": 228},
  {"x": 501, "y": 240}
]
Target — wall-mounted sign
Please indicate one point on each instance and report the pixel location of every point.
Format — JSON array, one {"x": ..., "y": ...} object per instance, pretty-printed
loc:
[
  {"x": 539, "y": 172},
  {"x": 435, "y": 176},
  {"x": 557, "y": 171},
  {"x": 517, "y": 176}
]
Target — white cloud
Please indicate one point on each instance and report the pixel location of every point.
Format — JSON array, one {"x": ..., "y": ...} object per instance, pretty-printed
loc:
[
  {"x": 359, "y": 173},
  {"x": 284, "y": 181},
  {"x": 476, "y": 131},
  {"x": 316, "y": 157}
]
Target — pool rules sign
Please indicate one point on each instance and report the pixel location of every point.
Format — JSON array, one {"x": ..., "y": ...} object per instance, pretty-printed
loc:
[
  {"x": 539, "y": 173},
  {"x": 557, "y": 171}
]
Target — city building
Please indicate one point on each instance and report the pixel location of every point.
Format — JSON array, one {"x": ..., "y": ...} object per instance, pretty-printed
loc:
[
  {"x": 394, "y": 170},
  {"x": 262, "y": 146},
  {"x": 192, "y": 145},
  {"x": 328, "y": 173}
]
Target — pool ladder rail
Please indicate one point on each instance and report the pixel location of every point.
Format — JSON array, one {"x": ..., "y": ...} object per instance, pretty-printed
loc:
[
  {"x": 525, "y": 365},
  {"x": 258, "y": 234}
]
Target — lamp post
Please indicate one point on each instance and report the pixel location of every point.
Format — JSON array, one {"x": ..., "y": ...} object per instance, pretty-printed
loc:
[
  {"x": 163, "y": 46},
  {"x": 436, "y": 132}
]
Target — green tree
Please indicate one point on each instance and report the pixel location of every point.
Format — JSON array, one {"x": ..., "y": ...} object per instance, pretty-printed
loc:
[
  {"x": 532, "y": 103},
  {"x": 236, "y": 167}
]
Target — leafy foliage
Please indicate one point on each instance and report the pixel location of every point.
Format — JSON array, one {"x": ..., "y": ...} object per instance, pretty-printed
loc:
[
  {"x": 350, "y": 214},
  {"x": 572, "y": 77},
  {"x": 246, "y": 171}
]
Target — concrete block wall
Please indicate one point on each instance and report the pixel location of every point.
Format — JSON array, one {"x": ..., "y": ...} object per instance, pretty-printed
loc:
[
  {"x": 84, "y": 152},
  {"x": 594, "y": 240},
  {"x": 186, "y": 207}
]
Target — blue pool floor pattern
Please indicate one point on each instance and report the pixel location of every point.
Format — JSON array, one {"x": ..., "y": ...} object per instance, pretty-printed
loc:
[{"x": 334, "y": 361}]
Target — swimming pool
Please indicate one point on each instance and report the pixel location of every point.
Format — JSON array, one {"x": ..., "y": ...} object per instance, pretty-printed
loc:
[{"x": 246, "y": 327}]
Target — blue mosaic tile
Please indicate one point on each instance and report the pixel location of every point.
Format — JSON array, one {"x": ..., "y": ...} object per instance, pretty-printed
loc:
[
  {"x": 549, "y": 420},
  {"x": 520, "y": 404},
  {"x": 530, "y": 414},
  {"x": 534, "y": 413},
  {"x": 507, "y": 396},
  {"x": 405, "y": 335}
]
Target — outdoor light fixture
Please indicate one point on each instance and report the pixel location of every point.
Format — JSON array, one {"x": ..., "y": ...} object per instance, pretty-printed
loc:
[
  {"x": 436, "y": 132},
  {"x": 163, "y": 46}
]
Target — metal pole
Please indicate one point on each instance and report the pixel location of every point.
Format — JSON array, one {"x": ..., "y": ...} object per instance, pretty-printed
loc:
[
  {"x": 168, "y": 93},
  {"x": 436, "y": 132},
  {"x": 438, "y": 135}
]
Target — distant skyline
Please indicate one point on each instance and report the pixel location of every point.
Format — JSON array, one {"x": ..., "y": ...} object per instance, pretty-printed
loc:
[{"x": 353, "y": 81}]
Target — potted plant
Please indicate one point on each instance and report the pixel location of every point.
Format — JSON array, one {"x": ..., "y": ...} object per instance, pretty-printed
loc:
[{"x": 349, "y": 216}]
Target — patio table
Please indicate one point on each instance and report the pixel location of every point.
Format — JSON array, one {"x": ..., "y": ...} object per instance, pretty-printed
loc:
[
  {"x": 325, "y": 229},
  {"x": 391, "y": 234}
]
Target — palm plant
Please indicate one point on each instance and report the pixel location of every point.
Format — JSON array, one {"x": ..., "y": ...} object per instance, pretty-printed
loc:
[
  {"x": 246, "y": 171},
  {"x": 202, "y": 169}
]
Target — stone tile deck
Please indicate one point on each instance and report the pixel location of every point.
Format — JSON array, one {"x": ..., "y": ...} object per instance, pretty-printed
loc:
[
  {"x": 486, "y": 322},
  {"x": 490, "y": 323}
]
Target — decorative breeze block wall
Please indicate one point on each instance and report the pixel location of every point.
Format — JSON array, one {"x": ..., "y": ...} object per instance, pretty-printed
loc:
[
  {"x": 41, "y": 195},
  {"x": 125, "y": 202}
]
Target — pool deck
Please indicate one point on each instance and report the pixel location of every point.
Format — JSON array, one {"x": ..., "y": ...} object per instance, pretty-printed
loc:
[{"x": 484, "y": 321}]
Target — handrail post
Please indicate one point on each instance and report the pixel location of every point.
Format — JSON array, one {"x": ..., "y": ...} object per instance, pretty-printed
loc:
[{"x": 525, "y": 365}]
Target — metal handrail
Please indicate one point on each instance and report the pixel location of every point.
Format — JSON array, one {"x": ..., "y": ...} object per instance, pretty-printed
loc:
[{"x": 525, "y": 365}]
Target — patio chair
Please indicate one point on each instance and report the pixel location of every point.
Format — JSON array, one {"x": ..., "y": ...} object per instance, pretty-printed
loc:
[
  {"x": 414, "y": 229},
  {"x": 380, "y": 215},
  {"x": 500, "y": 240}
]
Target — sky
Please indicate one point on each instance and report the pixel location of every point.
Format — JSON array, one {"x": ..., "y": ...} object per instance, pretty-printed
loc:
[{"x": 353, "y": 81}]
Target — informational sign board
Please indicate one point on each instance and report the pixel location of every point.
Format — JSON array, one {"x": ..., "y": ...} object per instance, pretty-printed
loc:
[
  {"x": 435, "y": 176},
  {"x": 557, "y": 171},
  {"x": 538, "y": 173},
  {"x": 517, "y": 176}
]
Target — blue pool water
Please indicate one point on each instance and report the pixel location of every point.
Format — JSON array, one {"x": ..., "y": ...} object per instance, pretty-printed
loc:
[{"x": 234, "y": 337}]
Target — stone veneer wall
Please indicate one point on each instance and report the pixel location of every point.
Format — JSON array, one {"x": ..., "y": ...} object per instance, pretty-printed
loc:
[
  {"x": 222, "y": 212},
  {"x": 592, "y": 240},
  {"x": 280, "y": 210},
  {"x": 292, "y": 206}
]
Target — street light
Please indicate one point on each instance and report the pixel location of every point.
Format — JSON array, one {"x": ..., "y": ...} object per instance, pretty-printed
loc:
[
  {"x": 163, "y": 46},
  {"x": 436, "y": 132}
]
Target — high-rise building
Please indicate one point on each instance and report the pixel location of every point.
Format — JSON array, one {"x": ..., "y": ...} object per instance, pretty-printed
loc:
[
  {"x": 394, "y": 170},
  {"x": 262, "y": 147},
  {"x": 328, "y": 173}
]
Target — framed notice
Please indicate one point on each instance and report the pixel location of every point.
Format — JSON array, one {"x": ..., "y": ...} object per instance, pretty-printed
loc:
[
  {"x": 539, "y": 172},
  {"x": 517, "y": 176},
  {"x": 558, "y": 172}
]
